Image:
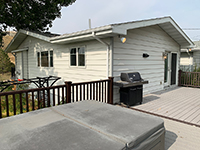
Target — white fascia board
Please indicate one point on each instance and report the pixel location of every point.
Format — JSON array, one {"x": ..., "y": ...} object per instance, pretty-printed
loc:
[
  {"x": 19, "y": 50},
  {"x": 144, "y": 23},
  {"x": 119, "y": 30},
  {"x": 38, "y": 36},
  {"x": 187, "y": 46},
  {"x": 84, "y": 32},
  {"x": 81, "y": 37},
  {"x": 122, "y": 28}
]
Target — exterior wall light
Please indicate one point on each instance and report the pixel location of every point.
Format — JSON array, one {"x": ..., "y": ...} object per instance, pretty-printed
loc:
[
  {"x": 189, "y": 49},
  {"x": 123, "y": 39},
  {"x": 145, "y": 55},
  {"x": 165, "y": 55}
]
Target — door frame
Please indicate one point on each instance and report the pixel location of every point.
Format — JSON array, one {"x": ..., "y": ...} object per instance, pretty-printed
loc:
[
  {"x": 169, "y": 70},
  {"x": 25, "y": 67},
  {"x": 176, "y": 68}
]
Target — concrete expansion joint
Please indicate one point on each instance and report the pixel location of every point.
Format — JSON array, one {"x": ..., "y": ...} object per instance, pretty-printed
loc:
[{"x": 87, "y": 126}]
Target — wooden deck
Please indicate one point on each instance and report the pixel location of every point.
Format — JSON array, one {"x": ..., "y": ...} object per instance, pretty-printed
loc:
[{"x": 181, "y": 104}]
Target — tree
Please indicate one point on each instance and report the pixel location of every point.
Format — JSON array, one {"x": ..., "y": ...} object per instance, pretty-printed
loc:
[
  {"x": 32, "y": 15},
  {"x": 5, "y": 65}
]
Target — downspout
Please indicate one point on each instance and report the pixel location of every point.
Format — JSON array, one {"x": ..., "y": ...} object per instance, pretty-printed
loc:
[
  {"x": 111, "y": 55},
  {"x": 108, "y": 50}
]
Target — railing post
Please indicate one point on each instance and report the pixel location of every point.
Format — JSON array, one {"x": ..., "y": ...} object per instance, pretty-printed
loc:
[
  {"x": 68, "y": 96},
  {"x": 179, "y": 77},
  {"x": 110, "y": 90}
]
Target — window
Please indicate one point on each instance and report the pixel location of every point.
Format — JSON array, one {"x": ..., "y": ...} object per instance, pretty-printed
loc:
[
  {"x": 51, "y": 58},
  {"x": 77, "y": 56},
  {"x": 45, "y": 59},
  {"x": 81, "y": 56},
  {"x": 73, "y": 56}
]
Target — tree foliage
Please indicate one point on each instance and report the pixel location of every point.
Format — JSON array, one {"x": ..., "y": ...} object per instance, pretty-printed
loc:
[
  {"x": 5, "y": 64},
  {"x": 32, "y": 15}
]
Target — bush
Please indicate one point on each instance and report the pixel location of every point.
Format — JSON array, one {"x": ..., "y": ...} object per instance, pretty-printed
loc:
[
  {"x": 196, "y": 69},
  {"x": 5, "y": 65}
]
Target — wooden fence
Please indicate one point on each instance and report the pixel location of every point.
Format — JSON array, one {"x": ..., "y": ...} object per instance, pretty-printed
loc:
[
  {"x": 189, "y": 79},
  {"x": 16, "y": 102}
]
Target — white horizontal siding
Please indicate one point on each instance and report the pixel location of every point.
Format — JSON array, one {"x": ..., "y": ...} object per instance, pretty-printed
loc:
[
  {"x": 186, "y": 59},
  {"x": 196, "y": 59},
  {"x": 95, "y": 60},
  {"x": 128, "y": 57}
]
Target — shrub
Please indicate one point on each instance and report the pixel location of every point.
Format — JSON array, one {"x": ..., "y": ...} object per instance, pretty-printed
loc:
[{"x": 5, "y": 65}]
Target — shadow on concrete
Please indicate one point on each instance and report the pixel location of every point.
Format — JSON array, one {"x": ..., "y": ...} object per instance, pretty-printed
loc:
[{"x": 170, "y": 139}]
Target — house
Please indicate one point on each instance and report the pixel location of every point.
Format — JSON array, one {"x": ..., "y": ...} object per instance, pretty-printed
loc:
[
  {"x": 190, "y": 58},
  {"x": 98, "y": 53}
]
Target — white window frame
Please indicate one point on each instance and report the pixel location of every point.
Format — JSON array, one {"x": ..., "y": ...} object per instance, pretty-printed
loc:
[
  {"x": 49, "y": 60},
  {"x": 77, "y": 60}
]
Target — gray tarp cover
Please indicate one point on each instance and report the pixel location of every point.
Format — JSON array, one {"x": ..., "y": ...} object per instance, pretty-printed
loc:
[{"x": 85, "y": 125}]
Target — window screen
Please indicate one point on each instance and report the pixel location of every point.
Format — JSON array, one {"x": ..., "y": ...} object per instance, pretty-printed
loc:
[
  {"x": 81, "y": 56},
  {"x": 44, "y": 59}
]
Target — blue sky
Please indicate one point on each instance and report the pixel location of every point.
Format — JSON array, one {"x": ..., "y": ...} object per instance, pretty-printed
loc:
[{"x": 75, "y": 17}]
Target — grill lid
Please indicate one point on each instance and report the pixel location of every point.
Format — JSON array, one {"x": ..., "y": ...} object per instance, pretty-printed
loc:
[{"x": 131, "y": 77}]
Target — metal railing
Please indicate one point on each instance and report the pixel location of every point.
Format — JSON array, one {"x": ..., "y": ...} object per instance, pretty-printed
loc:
[{"x": 17, "y": 102}]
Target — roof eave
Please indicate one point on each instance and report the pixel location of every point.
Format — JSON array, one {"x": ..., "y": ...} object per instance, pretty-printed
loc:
[
  {"x": 84, "y": 37},
  {"x": 158, "y": 21},
  {"x": 165, "y": 23},
  {"x": 20, "y": 37}
]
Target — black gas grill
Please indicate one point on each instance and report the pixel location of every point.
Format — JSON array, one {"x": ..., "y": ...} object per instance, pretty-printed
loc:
[{"x": 131, "y": 88}]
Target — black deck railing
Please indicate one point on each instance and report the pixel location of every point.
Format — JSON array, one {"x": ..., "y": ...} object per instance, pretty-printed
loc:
[{"x": 17, "y": 102}]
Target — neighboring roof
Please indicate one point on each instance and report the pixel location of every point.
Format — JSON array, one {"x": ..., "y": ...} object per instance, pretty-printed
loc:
[
  {"x": 195, "y": 48},
  {"x": 21, "y": 36},
  {"x": 167, "y": 24}
]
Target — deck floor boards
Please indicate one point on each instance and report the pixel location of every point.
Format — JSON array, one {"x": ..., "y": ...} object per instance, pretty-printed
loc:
[{"x": 180, "y": 103}]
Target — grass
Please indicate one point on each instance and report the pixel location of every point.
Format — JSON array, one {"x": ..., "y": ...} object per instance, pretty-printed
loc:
[{"x": 5, "y": 76}]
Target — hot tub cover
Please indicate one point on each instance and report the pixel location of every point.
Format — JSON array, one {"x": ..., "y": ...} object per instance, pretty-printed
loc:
[{"x": 85, "y": 125}]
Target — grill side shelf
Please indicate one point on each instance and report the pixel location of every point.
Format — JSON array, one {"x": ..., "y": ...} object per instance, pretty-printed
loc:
[{"x": 124, "y": 84}]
